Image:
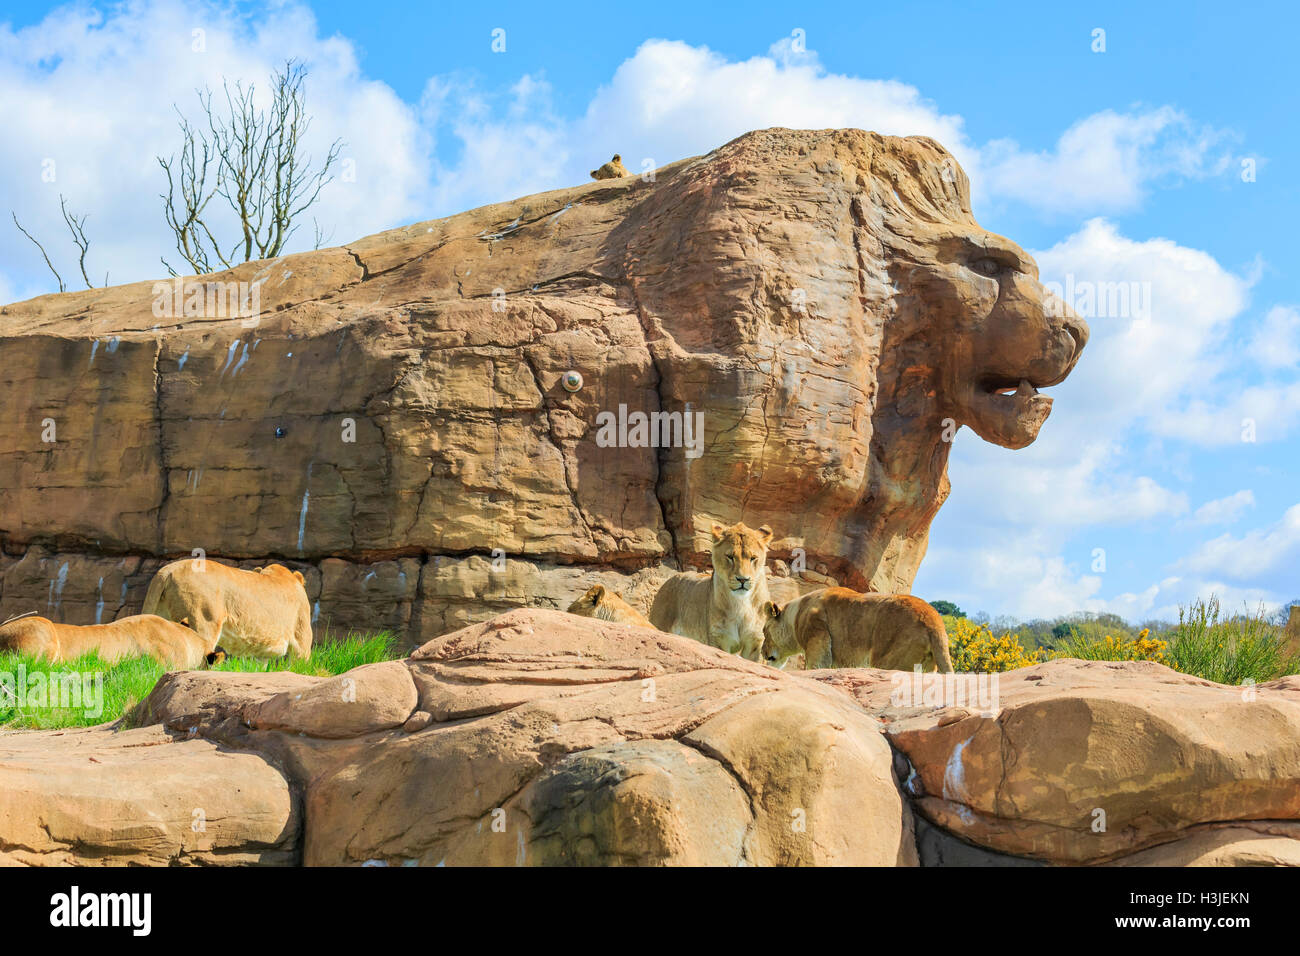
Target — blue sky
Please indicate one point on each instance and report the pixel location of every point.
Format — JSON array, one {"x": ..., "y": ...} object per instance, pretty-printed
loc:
[{"x": 1122, "y": 165}]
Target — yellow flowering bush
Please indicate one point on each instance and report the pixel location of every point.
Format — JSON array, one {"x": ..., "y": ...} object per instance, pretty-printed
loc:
[
  {"x": 1143, "y": 647},
  {"x": 976, "y": 649}
]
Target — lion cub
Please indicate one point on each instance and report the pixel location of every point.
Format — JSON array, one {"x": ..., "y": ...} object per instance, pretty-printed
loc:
[
  {"x": 725, "y": 608},
  {"x": 605, "y": 605},
  {"x": 614, "y": 169},
  {"x": 837, "y": 627}
]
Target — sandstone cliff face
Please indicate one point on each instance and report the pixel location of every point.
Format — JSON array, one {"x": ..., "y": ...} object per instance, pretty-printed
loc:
[
  {"x": 393, "y": 421},
  {"x": 542, "y": 738}
]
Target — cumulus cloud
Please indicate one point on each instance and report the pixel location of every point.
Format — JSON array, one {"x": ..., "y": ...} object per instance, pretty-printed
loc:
[
  {"x": 670, "y": 100},
  {"x": 1106, "y": 162},
  {"x": 92, "y": 93},
  {"x": 1276, "y": 343},
  {"x": 88, "y": 105},
  {"x": 1252, "y": 555},
  {"x": 1165, "y": 347},
  {"x": 1224, "y": 510}
]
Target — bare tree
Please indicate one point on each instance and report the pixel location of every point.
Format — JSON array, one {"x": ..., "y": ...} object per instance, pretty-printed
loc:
[
  {"x": 259, "y": 168},
  {"x": 78, "y": 229}
]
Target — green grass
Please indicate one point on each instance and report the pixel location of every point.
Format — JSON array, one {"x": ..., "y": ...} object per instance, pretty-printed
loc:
[
  {"x": 129, "y": 681},
  {"x": 1228, "y": 650}
]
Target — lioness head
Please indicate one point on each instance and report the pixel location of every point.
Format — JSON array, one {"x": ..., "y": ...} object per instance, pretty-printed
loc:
[
  {"x": 587, "y": 604},
  {"x": 779, "y": 642},
  {"x": 740, "y": 556}
]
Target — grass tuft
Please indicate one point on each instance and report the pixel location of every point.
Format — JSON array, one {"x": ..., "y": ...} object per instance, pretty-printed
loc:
[{"x": 88, "y": 691}]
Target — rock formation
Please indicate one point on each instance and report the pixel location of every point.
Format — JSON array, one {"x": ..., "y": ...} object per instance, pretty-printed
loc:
[
  {"x": 1103, "y": 761},
  {"x": 394, "y": 417},
  {"x": 544, "y": 738}
]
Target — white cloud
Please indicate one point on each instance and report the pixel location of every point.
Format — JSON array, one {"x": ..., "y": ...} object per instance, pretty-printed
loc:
[
  {"x": 1224, "y": 510},
  {"x": 1276, "y": 343},
  {"x": 1064, "y": 481},
  {"x": 93, "y": 93},
  {"x": 670, "y": 100},
  {"x": 1098, "y": 461},
  {"x": 1144, "y": 363},
  {"x": 1105, "y": 162},
  {"x": 1251, "y": 555}
]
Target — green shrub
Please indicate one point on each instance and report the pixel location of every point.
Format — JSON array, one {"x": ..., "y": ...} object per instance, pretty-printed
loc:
[
  {"x": 975, "y": 649},
  {"x": 1230, "y": 650},
  {"x": 1140, "y": 647}
]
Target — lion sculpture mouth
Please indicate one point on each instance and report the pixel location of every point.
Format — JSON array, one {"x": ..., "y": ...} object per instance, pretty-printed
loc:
[
  {"x": 1010, "y": 411},
  {"x": 1007, "y": 406}
]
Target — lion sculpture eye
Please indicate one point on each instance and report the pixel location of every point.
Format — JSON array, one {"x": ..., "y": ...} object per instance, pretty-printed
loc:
[{"x": 987, "y": 266}]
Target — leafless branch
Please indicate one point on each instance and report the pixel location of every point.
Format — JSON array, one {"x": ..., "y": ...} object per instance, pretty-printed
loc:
[
  {"x": 260, "y": 172},
  {"x": 78, "y": 229},
  {"x": 62, "y": 287}
]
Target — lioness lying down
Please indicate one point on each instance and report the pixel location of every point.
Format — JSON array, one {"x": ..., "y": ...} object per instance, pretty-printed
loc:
[
  {"x": 175, "y": 645},
  {"x": 837, "y": 627},
  {"x": 603, "y": 604},
  {"x": 725, "y": 608},
  {"x": 262, "y": 613}
]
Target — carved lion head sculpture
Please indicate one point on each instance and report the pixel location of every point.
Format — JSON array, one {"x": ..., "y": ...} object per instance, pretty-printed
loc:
[{"x": 836, "y": 313}]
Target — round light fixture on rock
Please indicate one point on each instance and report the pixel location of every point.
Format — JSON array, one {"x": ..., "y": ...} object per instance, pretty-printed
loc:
[{"x": 572, "y": 381}]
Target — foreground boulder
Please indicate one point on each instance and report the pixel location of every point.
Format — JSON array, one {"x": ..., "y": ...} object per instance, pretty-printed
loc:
[
  {"x": 1091, "y": 761},
  {"x": 393, "y": 415},
  {"x": 537, "y": 738},
  {"x": 142, "y": 797},
  {"x": 541, "y": 738}
]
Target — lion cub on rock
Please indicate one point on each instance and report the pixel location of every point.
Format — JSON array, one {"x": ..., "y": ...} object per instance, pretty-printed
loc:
[
  {"x": 614, "y": 169},
  {"x": 172, "y": 644},
  {"x": 837, "y": 627},
  {"x": 605, "y": 605},
  {"x": 725, "y": 608}
]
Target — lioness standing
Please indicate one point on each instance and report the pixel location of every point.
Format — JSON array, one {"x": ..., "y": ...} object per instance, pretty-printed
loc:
[
  {"x": 604, "y": 605},
  {"x": 837, "y": 627},
  {"x": 262, "y": 613},
  {"x": 725, "y": 608},
  {"x": 172, "y": 644}
]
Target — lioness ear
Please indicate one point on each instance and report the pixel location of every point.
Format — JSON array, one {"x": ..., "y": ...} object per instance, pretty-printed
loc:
[
  {"x": 184, "y": 622},
  {"x": 773, "y": 611},
  {"x": 717, "y": 531},
  {"x": 765, "y": 533},
  {"x": 301, "y": 579},
  {"x": 596, "y": 592}
]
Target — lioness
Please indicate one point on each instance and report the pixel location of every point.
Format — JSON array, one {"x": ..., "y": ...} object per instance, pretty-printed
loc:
[
  {"x": 261, "y": 613},
  {"x": 837, "y": 627},
  {"x": 725, "y": 608},
  {"x": 605, "y": 605},
  {"x": 173, "y": 644}
]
